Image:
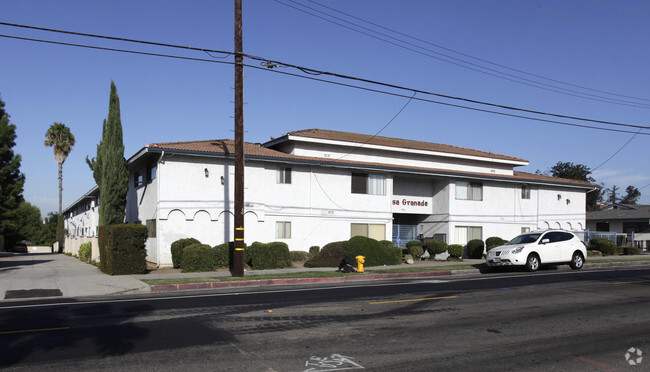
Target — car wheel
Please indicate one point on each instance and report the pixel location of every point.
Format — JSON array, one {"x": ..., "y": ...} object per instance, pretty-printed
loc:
[
  {"x": 577, "y": 261},
  {"x": 532, "y": 262}
]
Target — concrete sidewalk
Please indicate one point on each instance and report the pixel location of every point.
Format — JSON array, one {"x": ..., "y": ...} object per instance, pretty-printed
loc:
[
  {"x": 52, "y": 274},
  {"x": 46, "y": 275}
]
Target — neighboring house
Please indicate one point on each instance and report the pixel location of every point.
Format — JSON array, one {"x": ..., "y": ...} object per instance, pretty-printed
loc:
[
  {"x": 312, "y": 187},
  {"x": 81, "y": 218},
  {"x": 631, "y": 222}
]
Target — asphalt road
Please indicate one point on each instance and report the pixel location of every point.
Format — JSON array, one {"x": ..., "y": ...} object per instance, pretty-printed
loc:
[{"x": 508, "y": 321}]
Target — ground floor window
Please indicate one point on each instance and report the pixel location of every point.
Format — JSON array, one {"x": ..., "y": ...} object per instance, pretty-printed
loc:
[
  {"x": 374, "y": 231},
  {"x": 283, "y": 230},
  {"x": 463, "y": 234}
]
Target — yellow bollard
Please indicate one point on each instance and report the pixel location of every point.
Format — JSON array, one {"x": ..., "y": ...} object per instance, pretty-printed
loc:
[{"x": 360, "y": 261}]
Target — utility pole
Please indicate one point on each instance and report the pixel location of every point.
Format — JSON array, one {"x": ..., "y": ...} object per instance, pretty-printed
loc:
[{"x": 238, "y": 254}]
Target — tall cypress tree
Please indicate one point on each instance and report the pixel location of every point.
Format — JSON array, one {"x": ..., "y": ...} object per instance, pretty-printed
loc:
[
  {"x": 11, "y": 180},
  {"x": 109, "y": 166}
]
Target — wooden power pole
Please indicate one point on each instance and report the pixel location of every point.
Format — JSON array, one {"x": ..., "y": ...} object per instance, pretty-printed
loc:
[{"x": 238, "y": 254}]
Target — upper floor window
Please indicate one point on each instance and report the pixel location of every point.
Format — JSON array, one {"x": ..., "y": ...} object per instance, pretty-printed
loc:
[
  {"x": 373, "y": 184},
  {"x": 152, "y": 169},
  {"x": 525, "y": 192},
  {"x": 138, "y": 179},
  {"x": 283, "y": 175},
  {"x": 469, "y": 190}
]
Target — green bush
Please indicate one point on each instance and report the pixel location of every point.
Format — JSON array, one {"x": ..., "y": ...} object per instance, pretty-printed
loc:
[
  {"x": 122, "y": 249},
  {"x": 177, "y": 250},
  {"x": 606, "y": 247},
  {"x": 313, "y": 250},
  {"x": 387, "y": 243},
  {"x": 197, "y": 258},
  {"x": 221, "y": 255},
  {"x": 435, "y": 246},
  {"x": 455, "y": 251},
  {"x": 85, "y": 251},
  {"x": 329, "y": 256},
  {"x": 274, "y": 255},
  {"x": 299, "y": 256},
  {"x": 475, "y": 248},
  {"x": 493, "y": 242},
  {"x": 631, "y": 251},
  {"x": 414, "y": 242},
  {"x": 416, "y": 251},
  {"x": 375, "y": 252}
]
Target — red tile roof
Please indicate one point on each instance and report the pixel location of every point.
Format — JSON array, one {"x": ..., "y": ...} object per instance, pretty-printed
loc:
[
  {"x": 397, "y": 142},
  {"x": 227, "y": 147}
]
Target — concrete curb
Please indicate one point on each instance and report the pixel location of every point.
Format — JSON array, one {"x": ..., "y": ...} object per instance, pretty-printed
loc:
[{"x": 247, "y": 283}]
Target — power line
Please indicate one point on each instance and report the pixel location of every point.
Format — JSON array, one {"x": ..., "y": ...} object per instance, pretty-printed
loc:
[
  {"x": 317, "y": 72},
  {"x": 617, "y": 151},
  {"x": 465, "y": 64}
]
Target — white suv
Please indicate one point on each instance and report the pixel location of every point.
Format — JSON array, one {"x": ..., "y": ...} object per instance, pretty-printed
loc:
[{"x": 538, "y": 248}]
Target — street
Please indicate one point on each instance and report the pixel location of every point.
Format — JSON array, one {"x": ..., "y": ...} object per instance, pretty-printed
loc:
[{"x": 504, "y": 321}]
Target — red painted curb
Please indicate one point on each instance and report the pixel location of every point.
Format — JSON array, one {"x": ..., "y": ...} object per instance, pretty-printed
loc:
[{"x": 243, "y": 283}]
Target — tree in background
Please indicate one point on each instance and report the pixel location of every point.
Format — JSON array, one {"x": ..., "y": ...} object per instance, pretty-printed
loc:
[
  {"x": 48, "y": 233},
  {"x": 29, "y": 223},
  {"x": 579, "y": 172},
  {"x": 60, "y": 137},
  {"x": 109, "y": 166},
  {"x": 11, "y": 179},
  {"x": 613, "y": 195},
  {"x": 632, "y": 196}
]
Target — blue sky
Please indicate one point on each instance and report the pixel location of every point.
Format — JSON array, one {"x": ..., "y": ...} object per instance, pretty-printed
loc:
[{"x": 599, "y": 45}]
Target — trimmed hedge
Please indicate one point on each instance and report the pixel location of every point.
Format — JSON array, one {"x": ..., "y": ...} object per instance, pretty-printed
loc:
[
  {"x": 313, "y": 250},
  {"x": 493, "y": 242},
  {"x": 122, "y": 249},
  {"x": 329, "y": 256},
  {"x": 177, "y": 250},
  {"x": 375, "y": 252},
  {"x": 455, "y": 251},
  {"x": 435, "y": 246},
  {"x": 416, "y": 251},
  {"x": 413, "y": 243},
  {"x": 299, "y": 256},
  {"x": 197, "y": 258},
  {"x": 631, "y": 251},
  {"x": 274, "y": 255},
  {"x": 221, "y": 255},
  {"x": 606, "y": 247},
  {"x": 475, "y": 248}
]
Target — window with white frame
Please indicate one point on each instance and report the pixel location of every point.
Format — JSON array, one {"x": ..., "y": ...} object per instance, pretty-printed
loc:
[
  {"x": 372, "y": 184},
  {"x": 469, "y": 190},
  {"x": 525, "y": 192},
  {"x": 463, "y": 234},
  {"x": 283, "y": 175},
  {"x": 374, "y": 231},
  {"x": 283, "y": 230}
]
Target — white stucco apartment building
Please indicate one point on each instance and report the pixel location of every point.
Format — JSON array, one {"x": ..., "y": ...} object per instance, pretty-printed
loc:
[{"x": 312, "y": 187}]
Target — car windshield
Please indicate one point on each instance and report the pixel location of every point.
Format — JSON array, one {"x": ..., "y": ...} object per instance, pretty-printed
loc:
[{"x": 524, "y": 239}]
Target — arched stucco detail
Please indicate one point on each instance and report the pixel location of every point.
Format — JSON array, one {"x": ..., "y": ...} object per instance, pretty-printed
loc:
[
  {"x": 202, "y": 211},
  {"x": 580, "y": 227},
  {"x": 174, "y": 214},
  {"x": 249, "y": 213},
  {"x": 223, "y": 214},
  {"x": 546, "y": 225},
  {"x": 558, "y": 225},
  {"x": 569, "y": 226}
]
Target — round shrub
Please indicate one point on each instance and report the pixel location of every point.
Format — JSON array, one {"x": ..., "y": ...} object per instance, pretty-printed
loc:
[
  {"x": 606, "y": 247},
  {"x": 177, "y": 250},
  {"x": 375, "y": 253},
  {"x": 221, "y": 255},
  {"x": 313, "y": 250},
  {"x": 493, "y": 242},
  {"x": 455, "y": 251},
  {"x": 387, "y": 243},
  {"x": 274, "y": 255},
  {"x": 628, "y": 251},
  {"x": 414, "y": 242},
  {"x": 85, "y": 251},
  {"x": 475, "y": 248},
  {"x": 329, "y": 256},
  {"x": 416, "y": 251},
  {"x": 435, "y": 246},
  {"x": 197, "y": 258}
]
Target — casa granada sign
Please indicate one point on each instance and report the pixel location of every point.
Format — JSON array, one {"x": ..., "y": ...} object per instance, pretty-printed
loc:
[{"x": 410, "y": 203}]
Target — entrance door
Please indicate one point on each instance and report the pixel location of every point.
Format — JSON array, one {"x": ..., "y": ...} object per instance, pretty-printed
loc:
[{"x": 405, "y": 228}]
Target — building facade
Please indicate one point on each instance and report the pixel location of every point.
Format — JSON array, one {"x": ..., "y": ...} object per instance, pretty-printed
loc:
[{"x": 313, "y": 187}]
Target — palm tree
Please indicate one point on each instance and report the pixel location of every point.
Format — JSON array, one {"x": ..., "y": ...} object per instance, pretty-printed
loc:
[{"x": 59, "y": 136}]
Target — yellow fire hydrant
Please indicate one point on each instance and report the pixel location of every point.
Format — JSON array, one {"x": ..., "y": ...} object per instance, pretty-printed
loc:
[{"x": 360, "y": 261}]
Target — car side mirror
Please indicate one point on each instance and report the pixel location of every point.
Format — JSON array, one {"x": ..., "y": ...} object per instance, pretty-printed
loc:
[{"x": 544, "y": 241}]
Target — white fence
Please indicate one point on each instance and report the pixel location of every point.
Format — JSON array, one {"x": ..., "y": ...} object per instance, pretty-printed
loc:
[{"x": 72, "y": 246}]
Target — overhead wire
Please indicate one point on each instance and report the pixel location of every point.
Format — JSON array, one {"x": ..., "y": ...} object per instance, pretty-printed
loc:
[
  {"x": 318, "y": 72},
  {"x": 617, "y": 151},
  {"x": 466, "y": 64}
]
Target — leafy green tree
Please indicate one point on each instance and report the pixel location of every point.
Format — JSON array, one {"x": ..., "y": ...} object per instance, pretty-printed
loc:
[
  {"x": 578, "y": 172},
  {"x": 30, "y": 225},
  {"x": 11, "y": 179},
  {"x": 632, "y": 196},
  {"x": 48, "y": 231},
  {"x": 60, "y": 137},
  {"x": 109, "y": 166}
]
